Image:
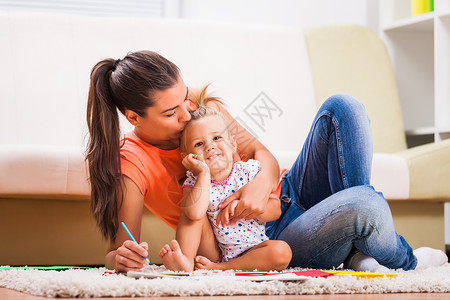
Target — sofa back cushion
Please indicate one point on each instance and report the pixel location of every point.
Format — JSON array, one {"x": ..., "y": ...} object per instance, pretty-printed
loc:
[
  {"x": 262, "y": 73},
  {"x": 352, "y": 59}
]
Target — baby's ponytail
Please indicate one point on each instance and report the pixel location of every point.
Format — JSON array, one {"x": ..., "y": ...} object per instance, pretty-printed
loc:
[
  {"x": 201, "y": 97},
  {"x": 103, "y": 150}
]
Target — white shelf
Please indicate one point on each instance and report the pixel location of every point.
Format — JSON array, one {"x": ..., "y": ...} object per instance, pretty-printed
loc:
[
  {"x": 423, "y": 22},
  {"x": 444, "y": 14},
  {"x": 420, "y": 51},
  {"x": 443, "y": 130},
  {"x": 427, "y": 131},
  {"x": 420, "y": 131},
  {"x": 419, "y": 47}
]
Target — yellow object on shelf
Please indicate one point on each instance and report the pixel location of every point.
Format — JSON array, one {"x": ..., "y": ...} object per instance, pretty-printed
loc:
[{"x": 421, "y": 6}]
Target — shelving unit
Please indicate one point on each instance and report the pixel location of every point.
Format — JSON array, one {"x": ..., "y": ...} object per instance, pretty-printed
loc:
[{"x": 420, "y": 50}]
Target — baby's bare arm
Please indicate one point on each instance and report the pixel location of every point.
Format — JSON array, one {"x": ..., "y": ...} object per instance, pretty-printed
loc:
[{"x": 195, "y": 200}]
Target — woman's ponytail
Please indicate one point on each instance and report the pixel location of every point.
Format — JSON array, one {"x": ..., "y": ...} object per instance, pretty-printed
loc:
[
  {"x": 103, "y": 150},
  {"x": 118, "y": 85}
]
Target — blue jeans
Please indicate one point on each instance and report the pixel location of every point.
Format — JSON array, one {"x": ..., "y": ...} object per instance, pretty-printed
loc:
[{"x": 329, "y": 209}]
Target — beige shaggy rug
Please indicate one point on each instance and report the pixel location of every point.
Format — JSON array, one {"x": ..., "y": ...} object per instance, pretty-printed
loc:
[{"x": 101, "y": 283}]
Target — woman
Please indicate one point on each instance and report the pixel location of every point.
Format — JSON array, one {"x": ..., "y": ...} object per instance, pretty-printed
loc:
[{"x": 330, "y": 214}]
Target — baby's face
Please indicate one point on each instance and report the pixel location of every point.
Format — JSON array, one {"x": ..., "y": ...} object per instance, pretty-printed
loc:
[{"x": 209, "y": 136}]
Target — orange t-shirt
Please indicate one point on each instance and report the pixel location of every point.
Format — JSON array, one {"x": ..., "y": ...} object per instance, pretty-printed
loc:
[{"x": 159, "y": 175}]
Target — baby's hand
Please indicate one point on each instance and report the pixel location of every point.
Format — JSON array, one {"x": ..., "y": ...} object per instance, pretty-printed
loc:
[
  {"x": 225, "y": 216},
  {"x": 195, "y": 163}
]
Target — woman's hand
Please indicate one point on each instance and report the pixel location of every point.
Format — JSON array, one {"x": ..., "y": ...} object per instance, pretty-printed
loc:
[
  {"x": 225, "y": 216},
  {"x": 272, "y": 211},
  {"x": 195, "y": 163},
  {"x": 252, "y": 198},
  {"x": 125, "y": 255},
  {"x": 130, "y": 256}
]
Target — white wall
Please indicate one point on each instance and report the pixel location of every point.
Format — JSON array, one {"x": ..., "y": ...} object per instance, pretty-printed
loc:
[
  {"x": 298, "y": 13},
  {"x": 137, "y": 8}
]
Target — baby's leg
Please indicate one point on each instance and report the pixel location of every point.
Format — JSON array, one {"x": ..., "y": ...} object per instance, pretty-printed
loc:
[
  {"x": 208, "y": 243},
  {"x": 266, "y": 256},
  {"x": 191, "y": 238}
]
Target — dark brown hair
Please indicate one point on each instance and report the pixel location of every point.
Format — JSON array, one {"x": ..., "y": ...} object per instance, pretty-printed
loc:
[{"x": 117, "y": 85}]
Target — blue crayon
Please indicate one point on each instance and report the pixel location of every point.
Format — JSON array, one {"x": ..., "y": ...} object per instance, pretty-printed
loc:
[{"x": 132, "y": 238}]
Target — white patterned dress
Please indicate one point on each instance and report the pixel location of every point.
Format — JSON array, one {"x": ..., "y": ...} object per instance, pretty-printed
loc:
[{"x": 234, "y": 239}]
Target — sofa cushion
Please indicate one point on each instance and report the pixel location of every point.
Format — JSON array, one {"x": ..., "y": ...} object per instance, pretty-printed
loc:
[
  {"x": 60, "y": 172},
  {"x": 353, "y": 59},
  {"x": 261, "y": 72}
]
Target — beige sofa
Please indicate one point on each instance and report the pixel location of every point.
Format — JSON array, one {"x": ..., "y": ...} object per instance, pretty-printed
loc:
[{"x": 283, "y": 72}]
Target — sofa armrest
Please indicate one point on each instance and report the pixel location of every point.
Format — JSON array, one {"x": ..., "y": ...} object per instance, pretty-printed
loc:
[
  {"x": 390, "y": 175},
  {"x": 46, "y": 172},
  {"x": 429, "y": 171},
  {"x": 389, "y": 172}
]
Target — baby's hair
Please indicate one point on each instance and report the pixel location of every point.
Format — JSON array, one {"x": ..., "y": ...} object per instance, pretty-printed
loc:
[
  {"x": 202, "y": 112},
  {"x": 200, "y": 99}
]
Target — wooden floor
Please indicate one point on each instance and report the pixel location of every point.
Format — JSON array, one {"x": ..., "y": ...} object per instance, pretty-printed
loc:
[{"x": 6, "y": 294}]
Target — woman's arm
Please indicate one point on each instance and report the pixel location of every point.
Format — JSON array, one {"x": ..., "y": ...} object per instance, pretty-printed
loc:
[
  {"x": 254, "y": 195},
  {"x": 272, "y": 211},
  {"x": 125, "y": 255}
]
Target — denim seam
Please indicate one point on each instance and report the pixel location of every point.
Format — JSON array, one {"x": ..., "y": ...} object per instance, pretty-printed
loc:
[
  {"x": 340, "y": 152},
  {"x": 339, "y": 149},
  {"x": 299, "y": 205},
  {"x": 366, "y": 246},
  {"x": 300, "y": 186}
]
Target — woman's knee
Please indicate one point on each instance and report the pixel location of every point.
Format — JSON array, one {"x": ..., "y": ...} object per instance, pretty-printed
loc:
[
  {"x": 345, "y": 101},
  {"x": 345, "y": 105},
  {"x": 368, "y": 207}
]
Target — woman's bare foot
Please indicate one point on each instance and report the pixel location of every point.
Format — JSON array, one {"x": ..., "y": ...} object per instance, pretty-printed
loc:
[
  {"x": 173, "y": 259},
  {"x": 203, "y": 263}
]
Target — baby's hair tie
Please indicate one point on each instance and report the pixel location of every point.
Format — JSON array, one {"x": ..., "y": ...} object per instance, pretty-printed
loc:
[{"x": 115, "y": 64}]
